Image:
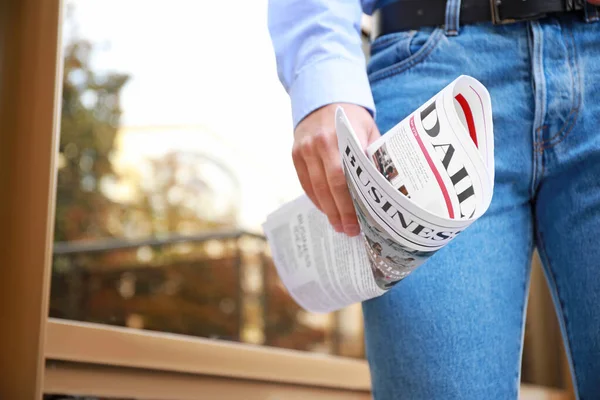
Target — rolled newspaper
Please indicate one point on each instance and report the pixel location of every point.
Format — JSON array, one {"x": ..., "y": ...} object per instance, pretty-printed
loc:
[{"x": 414, "y": 190}]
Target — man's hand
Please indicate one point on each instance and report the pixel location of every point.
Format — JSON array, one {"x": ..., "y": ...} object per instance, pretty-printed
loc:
[
  {"x": 319, "y": 166},
  {"x": 595, "y": 2}
]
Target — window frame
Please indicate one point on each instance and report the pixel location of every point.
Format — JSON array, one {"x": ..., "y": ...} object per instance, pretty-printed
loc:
[
  {"x": 143, "y": 354},
  {"x": 30, "y": 67},
  {"x": 40, "y": 352}
]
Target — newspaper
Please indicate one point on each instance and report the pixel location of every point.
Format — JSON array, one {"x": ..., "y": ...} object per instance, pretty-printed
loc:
[{"x": 414, "y": 190}]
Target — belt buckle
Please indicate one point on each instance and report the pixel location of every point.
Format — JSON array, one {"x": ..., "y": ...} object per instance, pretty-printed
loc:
[{"x": 498, "y": 20}]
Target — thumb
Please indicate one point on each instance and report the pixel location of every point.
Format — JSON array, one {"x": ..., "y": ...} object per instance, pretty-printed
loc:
[{"x": 363, "y": 124}]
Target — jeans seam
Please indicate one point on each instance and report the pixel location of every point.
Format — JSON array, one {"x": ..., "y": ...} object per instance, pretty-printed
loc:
[
  {"x": 537, "y": 157},
  {"x": 419, "y": 57},
  {"x": 559, "y": 306},
  {"x": 569, "y": 123},
  {"x": 539, "y": 94},
  {"x": 571, "y": 119},
  {"x": 538, "y": 138},
  {"x": 541, "y": 161},
  {"x": 537, "y": 153},
  {"x": 391, "y": 38}
]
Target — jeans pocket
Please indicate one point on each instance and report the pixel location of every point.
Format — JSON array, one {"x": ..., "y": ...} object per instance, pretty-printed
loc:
[{"x": 396, "y": 52}]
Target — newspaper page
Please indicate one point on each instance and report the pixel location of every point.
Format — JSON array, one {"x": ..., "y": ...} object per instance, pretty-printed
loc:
[
  {"x": 322, "y": 269},
  {"x": 414, "y": 190},
  {"x": 431, "y": 169}
]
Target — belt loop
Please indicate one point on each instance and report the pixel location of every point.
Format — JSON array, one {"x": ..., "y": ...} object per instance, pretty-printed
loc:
[
  {"x": 452, "y": 17},
  {"x": 591, "y": 13}
]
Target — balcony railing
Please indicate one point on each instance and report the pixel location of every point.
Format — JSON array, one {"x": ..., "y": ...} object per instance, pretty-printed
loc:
[
  {"x": 221, "y": 285},
  {"x": 97, "y": 359}
]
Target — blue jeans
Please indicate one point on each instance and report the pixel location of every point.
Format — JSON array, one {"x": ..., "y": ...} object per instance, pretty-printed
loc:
[{"x": 454, "y": 328}]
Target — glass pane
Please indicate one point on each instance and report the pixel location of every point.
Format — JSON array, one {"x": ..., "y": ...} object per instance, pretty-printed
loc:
[{"x": 175, "y": 145}]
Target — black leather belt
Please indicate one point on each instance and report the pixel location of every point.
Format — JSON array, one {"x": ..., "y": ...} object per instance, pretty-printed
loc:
[{"x": 413, "y": 14}]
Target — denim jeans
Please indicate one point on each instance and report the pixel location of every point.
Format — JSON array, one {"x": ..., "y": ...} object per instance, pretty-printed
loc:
[{"x": 454, "y": 328}]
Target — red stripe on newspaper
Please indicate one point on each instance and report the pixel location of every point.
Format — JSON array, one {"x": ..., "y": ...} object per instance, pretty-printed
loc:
[
  {"x": 438, "y": 178},
  {"x": 469, "y": 115}
]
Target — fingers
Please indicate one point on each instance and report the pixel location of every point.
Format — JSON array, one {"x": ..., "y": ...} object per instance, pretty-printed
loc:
[
  {"x": 332, "y": 163},
  {"x": 318, "y": 180},
  {"x": 319, "y": 165},
  {"x": 303, "y": 175},
  {"x": 319, "y": 168}
]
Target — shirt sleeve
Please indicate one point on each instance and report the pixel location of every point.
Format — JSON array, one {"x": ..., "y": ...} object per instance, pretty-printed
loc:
[{"x": 318, "y": 51}]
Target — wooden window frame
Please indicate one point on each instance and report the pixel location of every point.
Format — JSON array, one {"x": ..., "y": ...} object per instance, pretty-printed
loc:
[
  {"x": 125, "y": 362},
  {"x": 40, "y": 354},
  {"x": 73, "y": 379},
  {"x": 69, "y": 341},
  {"x": 30, "y": 68},
  {"x": 129, "y": 363}
]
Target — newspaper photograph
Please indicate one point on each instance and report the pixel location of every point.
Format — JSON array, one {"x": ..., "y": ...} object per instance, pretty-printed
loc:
[
  {"x": 414, "y": 190},
  {"x": 389, "y": 260}
]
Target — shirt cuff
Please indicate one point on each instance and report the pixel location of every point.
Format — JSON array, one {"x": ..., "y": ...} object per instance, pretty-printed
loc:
[{"x": 335, "y": 80}]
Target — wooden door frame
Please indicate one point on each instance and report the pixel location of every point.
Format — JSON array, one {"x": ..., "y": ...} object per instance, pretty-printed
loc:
[{"x": 30, "y": 73}]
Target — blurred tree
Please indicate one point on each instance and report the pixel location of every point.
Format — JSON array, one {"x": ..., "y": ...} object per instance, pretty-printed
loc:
[
  {"x": 182, "y": 290},
  {"x": 90, "y": 119},
  {"x": 177, "y": 197},
  {"x": 192, "y": 297}
]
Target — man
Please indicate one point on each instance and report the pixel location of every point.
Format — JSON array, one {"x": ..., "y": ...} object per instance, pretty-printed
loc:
[{"x": 453, "y": 329}]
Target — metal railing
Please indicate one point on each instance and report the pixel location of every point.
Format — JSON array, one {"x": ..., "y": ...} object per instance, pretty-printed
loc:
[{"x": 162, "y": 284}]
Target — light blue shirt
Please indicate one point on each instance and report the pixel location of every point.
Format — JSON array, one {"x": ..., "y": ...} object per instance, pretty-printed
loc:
[{"x": 318, "y": 51}]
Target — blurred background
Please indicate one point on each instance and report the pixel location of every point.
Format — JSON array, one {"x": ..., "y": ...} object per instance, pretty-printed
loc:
[{"x": 175, "y": 145}]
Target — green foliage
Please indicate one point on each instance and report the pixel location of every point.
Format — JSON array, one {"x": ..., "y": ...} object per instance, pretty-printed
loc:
[
  {"x": 90, "y": 119},
  {"x": 175, "y": 292}
]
